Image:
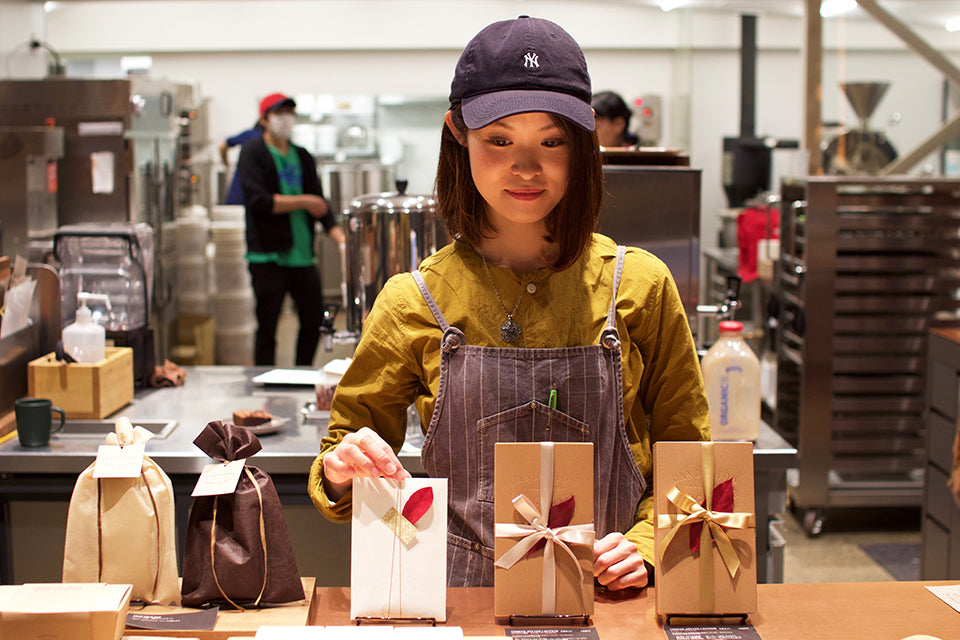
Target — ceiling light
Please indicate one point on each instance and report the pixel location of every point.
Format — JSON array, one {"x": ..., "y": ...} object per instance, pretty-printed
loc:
[
  {"x": 953, "y": 24},
  {"x": 830, "y": 8},
  {"x": 49, "y": 6},
  {"x": 670, "y": 5}
]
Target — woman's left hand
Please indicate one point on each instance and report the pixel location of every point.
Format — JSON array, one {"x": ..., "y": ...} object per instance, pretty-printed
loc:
[{"x": 617, "y": 563}]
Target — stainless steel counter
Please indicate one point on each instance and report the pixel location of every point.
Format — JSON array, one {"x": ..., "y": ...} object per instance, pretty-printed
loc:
[{"x": 212, "y": 393}]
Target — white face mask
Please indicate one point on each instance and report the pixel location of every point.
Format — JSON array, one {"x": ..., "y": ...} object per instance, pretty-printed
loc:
[{"x": 281, "y": 124}]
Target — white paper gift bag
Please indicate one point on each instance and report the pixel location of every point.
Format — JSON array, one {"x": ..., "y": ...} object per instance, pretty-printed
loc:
[{"x": 398, "y": 565}]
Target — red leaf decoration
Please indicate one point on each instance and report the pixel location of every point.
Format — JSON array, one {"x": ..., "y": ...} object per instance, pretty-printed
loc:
[
  {"x": 723, "y": 496},
  {"x": 418, "y": 504},
  {"x": 560, "y": 516},
  {"x": 722, "y": 501}
]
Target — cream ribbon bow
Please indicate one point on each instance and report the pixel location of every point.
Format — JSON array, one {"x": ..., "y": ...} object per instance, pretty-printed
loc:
[{"x": 532, "y": 533}]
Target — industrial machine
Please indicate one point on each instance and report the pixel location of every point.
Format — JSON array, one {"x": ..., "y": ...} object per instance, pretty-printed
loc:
[
  {"x": 657, "y": 208},
  {"x": 860, "y": 151},
  {"x": 29, "y": 180},
  {"x": 128, "y": 154}
]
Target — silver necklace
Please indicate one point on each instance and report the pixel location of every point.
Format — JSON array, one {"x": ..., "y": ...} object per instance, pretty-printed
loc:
[{"x": 510, "y": 331}]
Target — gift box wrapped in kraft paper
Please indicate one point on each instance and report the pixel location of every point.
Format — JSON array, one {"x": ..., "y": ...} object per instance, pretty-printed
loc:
[
  {"x": 80, "y": 611},
  {"x": 705, "y": 540},
  {"x": 398, "y": 564},
  {"x": 121, "y": 530},
  {"x": 544, "y": 533}
]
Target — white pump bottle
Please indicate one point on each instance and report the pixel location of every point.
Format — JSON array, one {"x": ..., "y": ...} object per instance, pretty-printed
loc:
[{"x": 85, "y": 340}]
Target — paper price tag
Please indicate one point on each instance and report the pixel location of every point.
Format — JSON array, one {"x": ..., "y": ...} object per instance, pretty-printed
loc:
[
  {"x": 219, "y": 478},
  {"x": 114, "y": 461}
]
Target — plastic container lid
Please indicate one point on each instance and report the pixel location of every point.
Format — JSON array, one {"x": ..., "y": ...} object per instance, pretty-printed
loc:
[{"x": 731, "y": 326}]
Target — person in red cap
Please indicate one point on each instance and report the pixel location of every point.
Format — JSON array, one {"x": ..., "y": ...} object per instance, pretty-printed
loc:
[
  {"x": 283, "y": 201},
  {"x": 528, "y": 327}
]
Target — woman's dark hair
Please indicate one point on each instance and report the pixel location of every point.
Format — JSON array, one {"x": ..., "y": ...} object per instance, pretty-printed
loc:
[
  {"x": 570, "y": 224},
  {"x": 608, "y": 104}
]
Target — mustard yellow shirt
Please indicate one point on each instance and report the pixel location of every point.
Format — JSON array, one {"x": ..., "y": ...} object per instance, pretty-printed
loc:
[{"x": 397, "y": 361}]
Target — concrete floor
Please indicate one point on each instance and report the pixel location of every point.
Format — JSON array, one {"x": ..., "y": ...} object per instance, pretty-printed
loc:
[{"x": 833, "y": 556}]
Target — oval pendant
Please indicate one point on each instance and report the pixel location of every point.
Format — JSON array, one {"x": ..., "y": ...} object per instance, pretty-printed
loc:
[{"x": 510, "y": 330}]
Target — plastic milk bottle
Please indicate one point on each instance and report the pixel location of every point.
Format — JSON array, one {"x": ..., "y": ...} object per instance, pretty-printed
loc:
[{"x": 731, "y": 376}]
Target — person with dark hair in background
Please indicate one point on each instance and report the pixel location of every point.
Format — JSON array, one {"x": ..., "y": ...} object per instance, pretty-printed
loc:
[
  {"x": 283, "y": 200},
  {"x": 613, "y": 120}
]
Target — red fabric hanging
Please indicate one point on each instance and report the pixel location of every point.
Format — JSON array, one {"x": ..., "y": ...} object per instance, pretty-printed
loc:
[{"x": 751, "y": 228}]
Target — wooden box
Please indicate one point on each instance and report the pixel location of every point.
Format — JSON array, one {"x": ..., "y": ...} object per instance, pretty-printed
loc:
[
  {"x": 84, "y": 390},
  {"x": 195, "y": 337}
]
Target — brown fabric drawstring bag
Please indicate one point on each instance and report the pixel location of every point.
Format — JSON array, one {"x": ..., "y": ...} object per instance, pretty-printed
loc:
[
  {"x": 121, "y": 530},
  {"x": 237, "y": 549}
]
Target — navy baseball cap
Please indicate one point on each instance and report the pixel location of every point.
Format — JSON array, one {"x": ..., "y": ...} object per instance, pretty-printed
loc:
[{"x": 519, "y": 66}]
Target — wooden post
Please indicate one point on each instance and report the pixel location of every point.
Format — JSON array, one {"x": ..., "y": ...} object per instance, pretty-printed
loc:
[{"x": 813, "y": 85}]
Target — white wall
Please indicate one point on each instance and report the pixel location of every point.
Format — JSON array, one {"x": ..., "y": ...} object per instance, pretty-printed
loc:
[
  {"x": 242, "y": 49},
  {"x": 19, "y": 21}
]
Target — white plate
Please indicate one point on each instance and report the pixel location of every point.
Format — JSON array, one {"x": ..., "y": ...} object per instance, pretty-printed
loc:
[
  {"x": 337, "y": 367},
  {"x": 305, "y": 377},
  {"x": 266, "y": 428}
]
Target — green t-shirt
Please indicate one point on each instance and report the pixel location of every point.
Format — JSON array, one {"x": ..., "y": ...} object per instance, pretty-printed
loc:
[{"x": 291, "y": 184}]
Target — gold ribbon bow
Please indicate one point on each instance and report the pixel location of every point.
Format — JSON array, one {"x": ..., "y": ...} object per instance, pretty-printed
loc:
[
  {"x": 716, "y": 520},
  {"x": 537, "y": 529},
  {"x": 693, "y": 511}
]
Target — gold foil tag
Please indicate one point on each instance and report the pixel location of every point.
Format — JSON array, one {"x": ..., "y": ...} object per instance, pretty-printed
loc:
[{"x": 399, "y": 525}]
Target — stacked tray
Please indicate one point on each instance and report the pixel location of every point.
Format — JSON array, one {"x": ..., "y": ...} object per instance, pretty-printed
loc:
[{"x": 868, "y": 266}]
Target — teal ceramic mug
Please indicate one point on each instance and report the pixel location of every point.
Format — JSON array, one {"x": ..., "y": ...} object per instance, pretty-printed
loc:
[{"x": 35, "y": 422}]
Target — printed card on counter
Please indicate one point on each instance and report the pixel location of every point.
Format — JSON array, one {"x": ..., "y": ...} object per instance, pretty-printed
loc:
[
  {"x": 184, "y": 621},
  {"x": 723, "y": 632},
  {"x": 219, "y": 478},
  {"x": 949, "y": 593},
  {"x": 114, "y": 461},
  {"x": 566, "y": 633}
]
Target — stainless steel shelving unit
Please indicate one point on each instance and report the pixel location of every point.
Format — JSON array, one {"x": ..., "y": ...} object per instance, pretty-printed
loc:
[{"x": 867, "y": 266}]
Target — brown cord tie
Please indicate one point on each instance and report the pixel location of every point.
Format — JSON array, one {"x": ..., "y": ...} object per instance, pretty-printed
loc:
[{"x": 263, "y": 544}]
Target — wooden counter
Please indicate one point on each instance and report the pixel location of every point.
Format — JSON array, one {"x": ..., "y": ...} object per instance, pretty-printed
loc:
[
  {"x": 232, "y": 623},
  {"x": 879, "y": 611}
]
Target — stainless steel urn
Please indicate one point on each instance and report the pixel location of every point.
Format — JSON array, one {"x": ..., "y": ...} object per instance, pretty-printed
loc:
[{"x": 387, "y": 233}]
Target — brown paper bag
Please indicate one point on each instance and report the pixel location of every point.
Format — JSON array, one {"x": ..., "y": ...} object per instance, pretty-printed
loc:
[
  {"x": 556, "y": 579},
  {"x": 713, "y": 571},
  {"x": 121, "y": 530},
  {"x": 238, "y": 551}
]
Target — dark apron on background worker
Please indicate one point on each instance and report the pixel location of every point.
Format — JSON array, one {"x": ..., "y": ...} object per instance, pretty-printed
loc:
[{"x": 492, "y": 394}]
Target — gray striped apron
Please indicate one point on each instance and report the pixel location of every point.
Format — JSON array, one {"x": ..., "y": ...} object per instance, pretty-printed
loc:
[{"x": 492, "y": 394}]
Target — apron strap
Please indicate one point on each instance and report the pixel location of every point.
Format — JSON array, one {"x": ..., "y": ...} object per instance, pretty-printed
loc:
[
  {"x": 434, "y": 309},
  {"x": 609, "y": 337},
  {"x": 617, "y": 272}
]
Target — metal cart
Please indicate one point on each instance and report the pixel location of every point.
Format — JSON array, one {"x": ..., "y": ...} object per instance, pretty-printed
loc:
[{"x": 867, "y": 266}]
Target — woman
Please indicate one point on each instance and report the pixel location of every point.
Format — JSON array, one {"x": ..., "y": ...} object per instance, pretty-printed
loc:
[
  {"x": 517, "y": 306},
  {"x": 613, "y": 121}
]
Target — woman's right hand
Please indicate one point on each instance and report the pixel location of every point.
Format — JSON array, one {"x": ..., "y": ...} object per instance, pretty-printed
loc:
[{"x": 362, "y": 454}]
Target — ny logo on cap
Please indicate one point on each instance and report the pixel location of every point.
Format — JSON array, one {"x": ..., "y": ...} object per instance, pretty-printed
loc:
[{"x": 530, "y": 61}]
